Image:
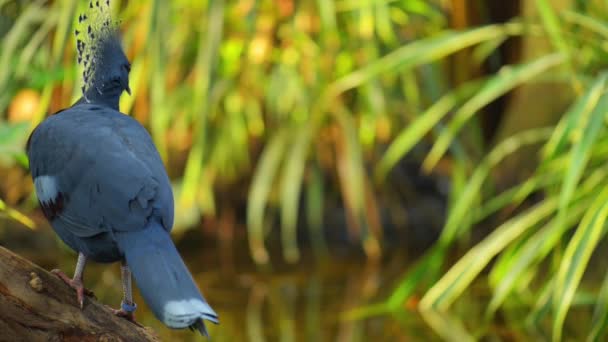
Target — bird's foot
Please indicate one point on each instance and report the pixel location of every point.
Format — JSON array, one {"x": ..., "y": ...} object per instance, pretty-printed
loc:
[
  {"x": 76, "y": 284},
  {"x": 127, "y": 313}
]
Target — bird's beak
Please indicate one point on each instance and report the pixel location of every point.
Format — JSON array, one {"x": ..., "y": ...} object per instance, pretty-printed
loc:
[{"x": 125, "y": 84}]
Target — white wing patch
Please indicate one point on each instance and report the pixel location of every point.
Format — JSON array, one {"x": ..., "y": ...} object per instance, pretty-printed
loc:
[
  {"x": 183, "y": 313},
  {"x": 46, "y": 188}
]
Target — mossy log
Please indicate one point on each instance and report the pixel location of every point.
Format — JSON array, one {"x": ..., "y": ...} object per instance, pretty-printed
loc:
[{"x": 36, "y": 305}]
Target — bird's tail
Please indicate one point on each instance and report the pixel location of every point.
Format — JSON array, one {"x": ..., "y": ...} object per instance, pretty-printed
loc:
[{"x": 163, "y": 279}]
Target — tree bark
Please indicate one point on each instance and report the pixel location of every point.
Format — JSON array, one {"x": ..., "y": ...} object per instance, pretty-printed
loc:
[{"x": 36, "y": 305}]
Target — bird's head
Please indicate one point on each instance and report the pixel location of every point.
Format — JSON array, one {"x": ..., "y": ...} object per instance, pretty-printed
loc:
[
  {"x": 105, "y": 65},
  {"x": 109, "y": 69}
]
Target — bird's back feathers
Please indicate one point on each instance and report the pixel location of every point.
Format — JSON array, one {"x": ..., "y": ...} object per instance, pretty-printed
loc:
[{"x": 104, "y": 166}]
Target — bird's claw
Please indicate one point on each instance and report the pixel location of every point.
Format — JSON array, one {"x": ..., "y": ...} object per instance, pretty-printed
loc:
[
  {"x": 76, "y": 284},
  {"x": 129, "y": 316}
]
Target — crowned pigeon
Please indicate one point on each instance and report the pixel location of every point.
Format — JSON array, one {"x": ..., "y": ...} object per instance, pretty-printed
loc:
[{"x": 103, "y": 187}]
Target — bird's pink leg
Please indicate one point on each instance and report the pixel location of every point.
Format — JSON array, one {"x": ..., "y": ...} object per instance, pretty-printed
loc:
[
  {"x": 76, "y": 281},
  {"x": 127, "y": 306}
]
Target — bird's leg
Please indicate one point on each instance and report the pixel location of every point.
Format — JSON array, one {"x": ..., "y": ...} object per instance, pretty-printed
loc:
[
  {"x": 76, "y": 281},
  {"x": 127, "y": 306}
]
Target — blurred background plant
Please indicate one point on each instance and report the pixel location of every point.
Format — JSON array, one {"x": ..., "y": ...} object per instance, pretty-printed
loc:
[{"x": 435, "y": 130}]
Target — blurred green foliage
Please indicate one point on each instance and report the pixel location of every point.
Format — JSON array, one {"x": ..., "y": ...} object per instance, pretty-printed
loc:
[
  {"x": 305, "y": 99},
  {"x": 308, "y": 87}
]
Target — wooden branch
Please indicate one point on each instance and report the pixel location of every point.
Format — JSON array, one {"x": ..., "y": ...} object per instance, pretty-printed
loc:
[{"x": 36, "y": 305}]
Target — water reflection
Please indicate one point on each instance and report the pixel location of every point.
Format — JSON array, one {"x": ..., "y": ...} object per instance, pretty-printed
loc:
[{"x": 312, "y": 301}]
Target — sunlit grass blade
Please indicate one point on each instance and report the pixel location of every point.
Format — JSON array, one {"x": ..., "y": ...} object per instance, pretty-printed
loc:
[
  {"x": 156, "y": 77},
  {"x": 314, "y": 211},
  {"x": 542, "y": 305},
  {"x": 367, "y": 311},
  {"x": 460, "y": 276},
  {"x": 589, "y": 22},
  {"x": 63, "y": 30},
  {"x": 365, "y": 19},
  {"x": 576, "y": 258},
  {"x": 504, "y": 81},
  {"x": 552, "y": 26},
  {"x": 352, "y": 178},
  {"x": 199, "y": 108},
  {"x": 516, "y": 195},
  {"x": 411, "y": 91},
  {"x": 383, "y": 23},
  {"x": 424, "y": 271},
  {"x": 349, "y": 158},
  {"x": 455, "y": 223},
  {"x": 32, "y": 13},
  {"x": 259, "y": 191},
  {"x": 421, "y": 52},
  {"x": 414, "y": 132},
  {"x": 588, "y": 129},
  {"x": 484, "y": 50},
  {"x": 449, "y": 327},
  {"x": 327, "y": 14},
  {"x": 580, "y": 109},
  {"x": 35, "y": 44},
  {"x": 16, "y": 215},
  {"x": 508, "y": 271},
  {"x": 291, "y": 184}
]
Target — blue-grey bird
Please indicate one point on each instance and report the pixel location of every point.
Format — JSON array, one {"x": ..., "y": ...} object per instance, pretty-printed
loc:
[{"x": 103, "y": 187}]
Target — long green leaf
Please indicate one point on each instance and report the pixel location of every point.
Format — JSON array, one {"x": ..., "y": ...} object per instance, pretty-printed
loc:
[
  {"x": 414, "y": 132},
  {"x": 449, "y": 327},
  {"x": 563, "y": 131},
  {"x": 515, "y": 195},
  {"x": 422, "y": 52},
  {"x": 507, "y": 79},
  {"x": 32, "y": 13},
  {"x": 456, "y": 280},
  {"x": 16, "y": 215},
  {"x": 291, "y": 184},
  {"x": 261, "y": 185},
  {"x": 588, "y": 128},
  {"x": 507, "y": 271},
  {"x": 456, "y": 217},
  {"x": 593, "y": 24},
  {"x": 200, "y": 107},
  {"x": 576, "y": 258},
  {"x": 551, "y": 24}
]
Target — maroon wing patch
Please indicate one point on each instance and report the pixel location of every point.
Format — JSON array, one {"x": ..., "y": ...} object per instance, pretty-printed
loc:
[{"x": 54, "y": 207}]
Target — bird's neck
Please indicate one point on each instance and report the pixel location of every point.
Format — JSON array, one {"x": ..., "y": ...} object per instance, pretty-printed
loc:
[{"x": 95, "y": 98}]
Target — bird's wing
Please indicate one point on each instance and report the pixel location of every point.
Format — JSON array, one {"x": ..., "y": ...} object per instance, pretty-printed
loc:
[{"x": 96, "y": 170}]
